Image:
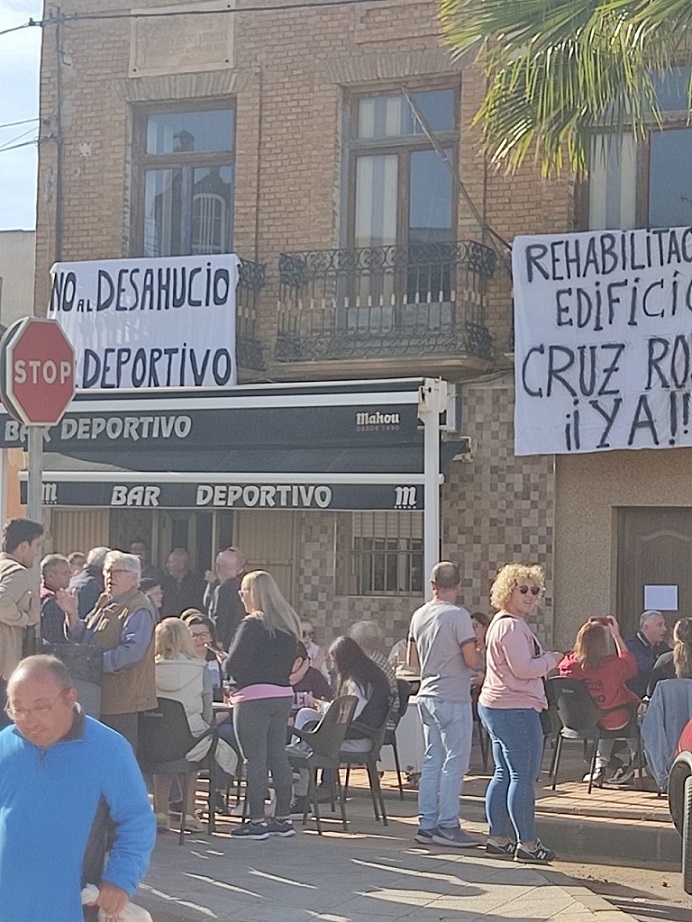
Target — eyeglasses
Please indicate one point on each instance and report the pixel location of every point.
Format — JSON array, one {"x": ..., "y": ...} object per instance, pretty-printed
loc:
[
  {"x": 115, "y": 572},
  {"x": 534, "y": 590},
  {"x": 41, "y": 710},
  {"x": 201, "y": 635}
]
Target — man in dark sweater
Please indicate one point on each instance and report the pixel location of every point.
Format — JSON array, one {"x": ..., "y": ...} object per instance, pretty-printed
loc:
[
  {"x": 88, "y": 585},
  {"x": 225, "y": 607},
  {"x": 647, "y": 645},
  {"x": 182, "y": 589},
  {"x": 55, "y": 575}
]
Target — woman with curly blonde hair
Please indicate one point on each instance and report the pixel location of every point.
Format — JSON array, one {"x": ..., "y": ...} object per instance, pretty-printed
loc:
[{"x": 509, "y": 705}]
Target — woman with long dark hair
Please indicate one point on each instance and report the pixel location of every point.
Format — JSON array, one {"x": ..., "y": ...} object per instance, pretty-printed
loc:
[
  {"x": 357, "y": 674},
  {"x": 677, "y": 663},
  {"x": 260, "y": 662}
]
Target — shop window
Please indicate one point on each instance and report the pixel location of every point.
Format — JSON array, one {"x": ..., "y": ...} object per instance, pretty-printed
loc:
[
  {"x": 386, "y": 553},
  {"x": 647, "y": 184},
  {"x": 185, "y": 181}
]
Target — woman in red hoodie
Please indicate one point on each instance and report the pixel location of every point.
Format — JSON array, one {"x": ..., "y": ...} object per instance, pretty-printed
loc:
[{"x": 605, "y": 675}]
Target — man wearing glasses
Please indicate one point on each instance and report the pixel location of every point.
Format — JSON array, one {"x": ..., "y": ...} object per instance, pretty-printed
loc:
[
  {"x": 122, "y": 625},
  {"x": 65, "y": 781}
]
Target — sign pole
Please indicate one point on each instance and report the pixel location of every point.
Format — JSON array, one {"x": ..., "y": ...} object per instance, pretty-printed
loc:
[{"x": 34, "y": 509}]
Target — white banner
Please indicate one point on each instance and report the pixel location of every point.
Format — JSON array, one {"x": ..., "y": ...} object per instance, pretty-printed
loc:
[
  {"x": 603, "y": 341},
  {"x": 149, "y": 323}
]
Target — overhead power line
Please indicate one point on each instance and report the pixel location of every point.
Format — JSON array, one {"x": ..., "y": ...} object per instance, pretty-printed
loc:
[
  {"x": 24, "y": 121},
  {"x": 6, "y": 150}
]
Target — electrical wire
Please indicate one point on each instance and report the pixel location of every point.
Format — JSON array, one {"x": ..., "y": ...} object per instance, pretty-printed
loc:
[
  {"x": 17, "y": 138},
  {"x": 6, "y": 150},
  {"x": 24, "y": 121},
  {"x": 270, "y": 8}
]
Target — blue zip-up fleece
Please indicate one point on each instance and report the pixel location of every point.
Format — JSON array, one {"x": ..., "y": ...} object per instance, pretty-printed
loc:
[{"x": 52, "y": 821}]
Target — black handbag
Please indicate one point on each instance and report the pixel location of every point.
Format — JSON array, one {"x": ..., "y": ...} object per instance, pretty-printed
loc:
[{"x": 84, "y": 661}]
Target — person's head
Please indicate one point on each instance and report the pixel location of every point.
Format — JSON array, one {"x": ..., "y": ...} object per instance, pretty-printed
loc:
[
  {"x": 516, "y": 588},
  {"x": 152, "y": 588},
  {"x": 480, "y": 622},
  {"x": 121, "y": 572},
  {"x": 172, "y": 640},
  {"x": 367, "y": 634},
  {"x": 445, "y": 581},
  {"x": 351, "y": 663},
  {"x": 41, "y": 700},
  {"x": 178, "y": 562},
  {"x": 307, "y": 632},
  {"x": 140, "y": 548},
  {"x": 76, "y": 560},
  {"x": 301, "y": 665},
  {"x": 97, "y": 556},
  {"x": 201, "y": 630},
  {"x": 56, "y": 572},
  {"x": 229, "y": 563},
  {"x": 262, "y": 598},
  {"x": 682, "y": 648},
  {"x": 652, "y": 625},
  {"x": 22, "y": 538},
  {"x": 592, "y": 645}
]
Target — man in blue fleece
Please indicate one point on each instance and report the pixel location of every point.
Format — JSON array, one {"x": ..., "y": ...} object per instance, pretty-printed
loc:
[{"x": 68, "y": 784}]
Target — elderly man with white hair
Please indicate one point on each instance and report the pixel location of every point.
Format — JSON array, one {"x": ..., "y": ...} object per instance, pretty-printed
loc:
[
  {"x": 647, "y": 645},
  {"x": 122, "y": 625}
]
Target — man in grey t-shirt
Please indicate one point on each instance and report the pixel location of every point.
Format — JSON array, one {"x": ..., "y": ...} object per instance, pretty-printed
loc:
[{"x": 442, "y": 643}]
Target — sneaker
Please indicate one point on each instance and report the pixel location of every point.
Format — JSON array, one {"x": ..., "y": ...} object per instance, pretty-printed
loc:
[
  {"x": 623, "y": 775},
  {"x": 500, "y": 851},
  {"x": 598, "y": 776},
  {"x": 281, "y": 828},
  {"x": 162, "y": 822},
  {"x": 424, "y": 836},
  {"x": 257, "y": 831},
  {"x": 194, "y": 824},
  {"x": 539, "y": 855},
  {"x": 455, "y": 837},
  {"x": 300, "y": 806}
]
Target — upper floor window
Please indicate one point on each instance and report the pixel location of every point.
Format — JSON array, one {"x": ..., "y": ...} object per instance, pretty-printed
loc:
[
  {"x": 185, "y": 173},
  {"x": 650, "y": 184}
]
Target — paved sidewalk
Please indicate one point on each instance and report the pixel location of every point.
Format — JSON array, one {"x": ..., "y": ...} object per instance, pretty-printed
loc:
[{"x": 370, "y": 874}]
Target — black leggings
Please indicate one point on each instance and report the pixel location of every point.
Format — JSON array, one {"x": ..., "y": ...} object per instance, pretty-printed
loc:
[{"x": 260, "y": 727}]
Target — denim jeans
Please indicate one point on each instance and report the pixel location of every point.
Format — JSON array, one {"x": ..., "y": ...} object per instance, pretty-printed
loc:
[
  {"x": 517, "y": 741},
  {"x": 447, "y": 729},
  {"x": 260, "y": 728}
]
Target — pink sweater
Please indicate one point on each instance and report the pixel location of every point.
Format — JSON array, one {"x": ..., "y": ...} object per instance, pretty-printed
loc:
[{"x": 514, "y": 673}]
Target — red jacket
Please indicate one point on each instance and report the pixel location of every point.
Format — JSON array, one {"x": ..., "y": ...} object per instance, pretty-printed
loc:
[{"x": 606, "y": 685}]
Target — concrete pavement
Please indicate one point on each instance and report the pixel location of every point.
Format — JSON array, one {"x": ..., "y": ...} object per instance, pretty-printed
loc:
[{"x": 370, "y": 874}]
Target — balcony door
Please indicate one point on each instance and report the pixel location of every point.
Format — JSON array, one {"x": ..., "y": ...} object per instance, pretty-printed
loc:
[{"x": 403, "y": 215}]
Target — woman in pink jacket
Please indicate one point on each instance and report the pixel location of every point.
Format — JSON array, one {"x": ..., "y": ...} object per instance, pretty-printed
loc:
[{"x": 509, "y": 705}]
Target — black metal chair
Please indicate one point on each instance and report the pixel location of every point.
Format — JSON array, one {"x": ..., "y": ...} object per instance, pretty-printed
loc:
[
  {"x": 579, "y": 716},
  {"x": 369, "y": 760},
  {"x": 164, "y": 741},
  {"x": 325, "y": 742},
  {"x": 404, "y": 690}
]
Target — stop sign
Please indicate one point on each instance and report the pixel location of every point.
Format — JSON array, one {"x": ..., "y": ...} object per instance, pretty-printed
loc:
[{"x": 37, "y": 380}]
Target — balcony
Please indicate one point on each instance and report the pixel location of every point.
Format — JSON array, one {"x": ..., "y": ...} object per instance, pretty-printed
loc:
[
  {"x": 251, "y": 279},
  {"x": 394, "y": 308}
]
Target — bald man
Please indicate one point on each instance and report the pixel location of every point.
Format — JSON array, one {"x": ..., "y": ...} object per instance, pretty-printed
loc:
[
  {"x": 225, "y": 608},
  {"x": 65, "y": 779}
]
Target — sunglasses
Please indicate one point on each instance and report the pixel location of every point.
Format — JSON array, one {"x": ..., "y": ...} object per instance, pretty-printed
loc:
[{"x": 534, "y": 590}]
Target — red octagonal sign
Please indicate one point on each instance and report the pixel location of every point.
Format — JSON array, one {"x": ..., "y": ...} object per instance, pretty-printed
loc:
[{"x": 37, "y": 380}]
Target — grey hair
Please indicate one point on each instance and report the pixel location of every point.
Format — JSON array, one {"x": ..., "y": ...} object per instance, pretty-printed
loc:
[
  {"x": 43, "y": 663},
  {"x": 130, "y": 562},
  {"x": 96, "y": 556},
  {"x": 367, "y": 634},
  {"x": 646, "y": 615},
  {"x": 50, "y": 561}
]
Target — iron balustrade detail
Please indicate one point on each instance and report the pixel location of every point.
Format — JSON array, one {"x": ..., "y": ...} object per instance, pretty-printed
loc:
[
  {"x": 251, "y": 280},
  {"x": 378, "y": 302}
]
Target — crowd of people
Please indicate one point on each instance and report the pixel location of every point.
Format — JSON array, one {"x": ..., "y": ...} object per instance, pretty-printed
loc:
[{"x": 108, "y": 634}]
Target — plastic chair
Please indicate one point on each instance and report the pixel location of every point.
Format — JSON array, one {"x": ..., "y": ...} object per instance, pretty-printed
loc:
[
  {"x": 369, "y": 759},
  {"x": 325, "y": 742},
  {"x": 390, "y": 733},
  {"x": 164, "y": 740},
  {"x": 580, "y": 715}
]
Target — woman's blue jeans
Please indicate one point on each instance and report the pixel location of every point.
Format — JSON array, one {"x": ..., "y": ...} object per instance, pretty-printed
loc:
[{"x": 517, "y": 741}]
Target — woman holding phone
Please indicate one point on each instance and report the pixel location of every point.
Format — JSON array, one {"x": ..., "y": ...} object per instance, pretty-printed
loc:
[{"x": 605, "y": 674}]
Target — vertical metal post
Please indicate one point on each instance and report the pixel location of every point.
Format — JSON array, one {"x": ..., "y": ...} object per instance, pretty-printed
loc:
[
  {"x": 34, "y": 506},
  {"x": 432, "y": 402}
]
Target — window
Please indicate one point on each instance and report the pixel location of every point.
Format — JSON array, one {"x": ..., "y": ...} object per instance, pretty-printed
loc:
[
  {"x": 386, "y": 553},
  {"x": 185, "y": 162},
  {"x": 649, "y": 185}
]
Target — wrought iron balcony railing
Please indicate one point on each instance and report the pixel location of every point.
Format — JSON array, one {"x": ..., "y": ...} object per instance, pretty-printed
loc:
[
  {"x": 388, "y": 301},
  {"x": 251, "y": 279}
]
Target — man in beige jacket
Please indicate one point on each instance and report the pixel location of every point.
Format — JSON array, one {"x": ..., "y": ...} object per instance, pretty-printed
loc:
[{"x": 19, "y": 607}]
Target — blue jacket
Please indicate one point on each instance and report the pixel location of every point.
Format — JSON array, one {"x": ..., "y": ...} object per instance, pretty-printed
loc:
[
  {"x": 54, "y": 804},
  {"x": 666, "y": 715}
]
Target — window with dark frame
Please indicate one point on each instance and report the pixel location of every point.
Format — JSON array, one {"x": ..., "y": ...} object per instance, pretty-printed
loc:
[
  {"x": 185, "y": 170},
  {"x": 386, "y": 553},
  {"x": 650, "y": 184}
]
